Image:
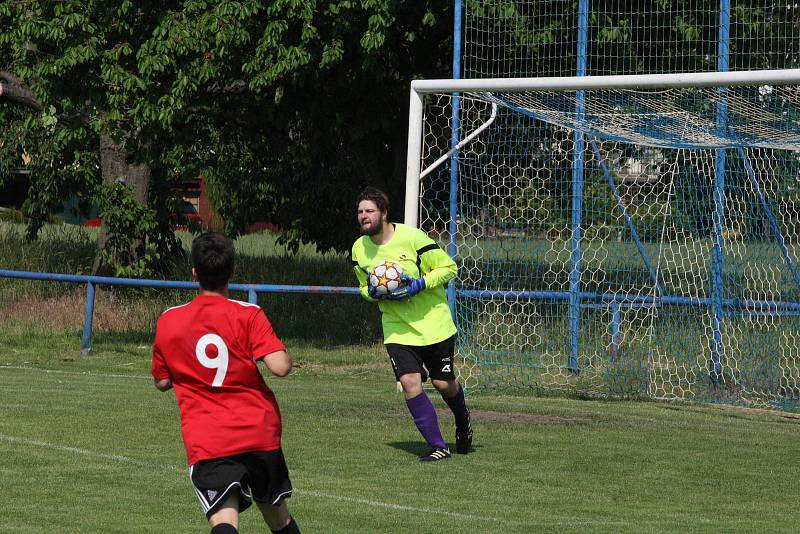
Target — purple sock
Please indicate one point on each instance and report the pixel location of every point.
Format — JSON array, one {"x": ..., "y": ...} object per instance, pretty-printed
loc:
[
  {"x": 424, "y": 415},
  {"x": 459, "y": 408}
]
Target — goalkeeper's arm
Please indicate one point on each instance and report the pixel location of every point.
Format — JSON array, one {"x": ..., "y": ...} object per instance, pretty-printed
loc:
[
  {"x": 438, "y": 267},
  {"x": 363, "y": 283}
]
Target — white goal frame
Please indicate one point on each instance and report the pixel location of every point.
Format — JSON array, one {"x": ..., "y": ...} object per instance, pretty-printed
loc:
[
  {"x": 419, "y": 88},
  {"x": 430, "y": 144}
]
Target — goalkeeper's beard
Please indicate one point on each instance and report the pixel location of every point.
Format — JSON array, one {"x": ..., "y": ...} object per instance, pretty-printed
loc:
[{"x": 371, "y": 230}]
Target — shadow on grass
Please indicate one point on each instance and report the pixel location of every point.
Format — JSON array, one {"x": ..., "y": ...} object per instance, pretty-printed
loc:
[{"x": 417, "y": 448}]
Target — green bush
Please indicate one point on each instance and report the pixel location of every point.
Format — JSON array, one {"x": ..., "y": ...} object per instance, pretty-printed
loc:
[{"x": 11, "y": 215}]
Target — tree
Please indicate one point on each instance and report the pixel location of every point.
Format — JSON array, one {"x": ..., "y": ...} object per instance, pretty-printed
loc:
[
  {"x": 287, "y": 106},
  {"x": 540, "y": 37},
  {"x": 337, "y": 128}
]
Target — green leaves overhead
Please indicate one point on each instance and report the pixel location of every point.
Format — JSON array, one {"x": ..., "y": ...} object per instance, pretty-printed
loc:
[{"x": 288, "y": 106}]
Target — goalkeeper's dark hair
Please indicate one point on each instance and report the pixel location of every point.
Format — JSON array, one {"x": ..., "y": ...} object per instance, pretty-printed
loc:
[
  {"x": 212, "y": 259},
  {"x": 377, "y": 196}
]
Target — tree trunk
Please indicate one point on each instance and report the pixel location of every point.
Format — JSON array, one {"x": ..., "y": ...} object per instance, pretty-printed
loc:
[
  {"x": 117, "y": 166},
  {"x": 14, "y": 89}
]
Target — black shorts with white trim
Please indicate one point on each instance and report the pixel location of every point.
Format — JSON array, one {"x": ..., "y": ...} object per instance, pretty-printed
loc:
[
  {"x": 260, "y": 476},
  {"x": 435, "y": 359}
]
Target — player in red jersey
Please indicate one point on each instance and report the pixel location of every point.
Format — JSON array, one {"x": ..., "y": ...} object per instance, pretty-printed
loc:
[{"x": 208, "y": 350}]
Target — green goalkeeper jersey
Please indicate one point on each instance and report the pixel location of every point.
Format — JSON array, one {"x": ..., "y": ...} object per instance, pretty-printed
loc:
[{"x": 425, "y": 318}]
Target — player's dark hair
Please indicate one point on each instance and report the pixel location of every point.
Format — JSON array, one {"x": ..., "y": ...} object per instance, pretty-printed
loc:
[
  {"x": 212, "y": 259},
  {"x": 377, "y": 196}
]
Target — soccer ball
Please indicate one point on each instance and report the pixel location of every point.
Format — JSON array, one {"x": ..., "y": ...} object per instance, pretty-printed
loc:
[{"x": 385, "y": 277}]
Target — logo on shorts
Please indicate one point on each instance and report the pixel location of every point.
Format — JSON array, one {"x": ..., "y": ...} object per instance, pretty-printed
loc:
[
  {"x": 446, "y": 368},
  {"x": 211, "y": 494}
]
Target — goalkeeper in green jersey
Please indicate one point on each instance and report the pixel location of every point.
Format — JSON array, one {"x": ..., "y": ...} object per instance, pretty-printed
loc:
[{"x": 418, "y": 328}]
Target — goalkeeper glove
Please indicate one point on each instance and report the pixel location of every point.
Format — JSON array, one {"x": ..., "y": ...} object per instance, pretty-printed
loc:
[
  {"x": 373, "y": 292},
  {"x": 412, "y": 287}
]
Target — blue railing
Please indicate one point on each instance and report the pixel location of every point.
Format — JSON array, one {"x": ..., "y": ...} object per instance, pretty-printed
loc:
[
  {"x": 589, "y": 299},
  {"x": 252, "y": 291}
]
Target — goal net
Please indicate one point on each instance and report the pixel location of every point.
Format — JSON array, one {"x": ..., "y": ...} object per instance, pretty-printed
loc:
[{"x": 618, "y": 236}]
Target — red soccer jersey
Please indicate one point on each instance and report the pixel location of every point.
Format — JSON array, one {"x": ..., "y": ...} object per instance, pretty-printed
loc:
[{"x": 209, "y": 348}]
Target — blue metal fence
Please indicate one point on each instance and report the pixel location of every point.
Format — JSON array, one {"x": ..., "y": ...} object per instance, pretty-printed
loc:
[{"x": 252, "y": 291}]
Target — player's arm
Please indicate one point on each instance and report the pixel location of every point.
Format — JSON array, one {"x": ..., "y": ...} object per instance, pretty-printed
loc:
[
  {"x": 362, "y": 277},
  {"x": 435, "y": 265},
  {"x": 158, "y": 367},
  {"x": 279, "y": 362},
  {"x": 266, "y": 346},
  {"x": 438, "y": 266},
  {"x": 165, "y": 384}
]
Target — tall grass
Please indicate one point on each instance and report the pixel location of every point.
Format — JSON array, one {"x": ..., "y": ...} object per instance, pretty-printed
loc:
[{"x": 315, "y": 320}]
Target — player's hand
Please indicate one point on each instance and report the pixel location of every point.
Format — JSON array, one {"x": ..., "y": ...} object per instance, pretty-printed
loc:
[
  {"x": 411, "y": 287},
  {"x": 373, "y": 293}
]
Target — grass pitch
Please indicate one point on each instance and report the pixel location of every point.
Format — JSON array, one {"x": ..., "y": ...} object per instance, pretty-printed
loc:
[{"x": 88, "y": 445}]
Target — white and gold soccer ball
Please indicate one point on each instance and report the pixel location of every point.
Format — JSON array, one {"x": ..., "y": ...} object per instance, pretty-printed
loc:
[{"x": 385, "y": 277}]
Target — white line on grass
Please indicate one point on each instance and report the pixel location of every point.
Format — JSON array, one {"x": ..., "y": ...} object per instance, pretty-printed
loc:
[
  {"x": 310, "y": 493},
  {"x": 78, "y": 373},
  {"x": 120, "y": 458},
  {"x": 66, "y": 448},
  {"x": 404, "y": 508},
  {"x": 562, "y": 522}
]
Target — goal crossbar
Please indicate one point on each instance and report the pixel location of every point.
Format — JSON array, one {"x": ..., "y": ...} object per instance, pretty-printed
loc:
[
  {"x": 618, "y": 235},
  {"x": 419, "y": 88},
  {"x": 640, "y": 81}
]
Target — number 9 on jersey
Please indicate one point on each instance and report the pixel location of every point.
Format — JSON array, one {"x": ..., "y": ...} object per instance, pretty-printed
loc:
[{"x": 220, "y": 363}]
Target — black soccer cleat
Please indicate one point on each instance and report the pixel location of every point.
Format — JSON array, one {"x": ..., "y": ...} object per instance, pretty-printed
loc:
[
  {"x": 464, "y": 440},
  {"x": 435, "y": 455}
]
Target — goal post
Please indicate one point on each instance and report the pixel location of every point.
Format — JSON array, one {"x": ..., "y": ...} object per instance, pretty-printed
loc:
[{"x": 666, "y": 266}]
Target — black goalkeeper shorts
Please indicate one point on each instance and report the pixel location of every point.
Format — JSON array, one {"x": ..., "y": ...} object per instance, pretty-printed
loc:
[{"x": 435, "y": 360}]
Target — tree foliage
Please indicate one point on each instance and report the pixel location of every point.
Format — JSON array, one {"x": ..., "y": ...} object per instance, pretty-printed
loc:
[
  {"x": 288, "y": 107},
  {"x": 540, "y": 37}
]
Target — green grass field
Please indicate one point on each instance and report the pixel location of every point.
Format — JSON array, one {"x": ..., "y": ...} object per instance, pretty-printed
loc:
[{"x": 87, "y": 445}]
